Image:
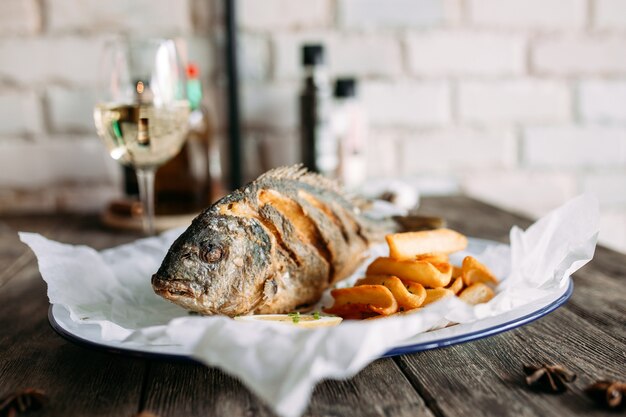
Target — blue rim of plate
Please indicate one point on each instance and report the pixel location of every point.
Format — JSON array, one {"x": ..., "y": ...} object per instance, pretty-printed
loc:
[
  {"x": 418, "y": 347},
  {"x": 490, "y": 331}
]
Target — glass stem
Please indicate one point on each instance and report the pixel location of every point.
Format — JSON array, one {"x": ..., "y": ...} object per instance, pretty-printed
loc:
[{"x": 145, "y": 179}]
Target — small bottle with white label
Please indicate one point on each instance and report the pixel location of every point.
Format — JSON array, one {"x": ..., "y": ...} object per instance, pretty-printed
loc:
[{"x": 350, "y": 130}]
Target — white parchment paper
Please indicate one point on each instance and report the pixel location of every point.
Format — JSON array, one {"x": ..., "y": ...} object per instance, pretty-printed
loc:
[{"x": 282, "y": 364}]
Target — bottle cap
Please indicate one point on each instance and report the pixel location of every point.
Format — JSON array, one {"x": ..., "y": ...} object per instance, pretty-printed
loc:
[
  {"x": 313, "y": 54},
  {"x": 192, "y": 71},
  {"x": 345, "y": 87}
]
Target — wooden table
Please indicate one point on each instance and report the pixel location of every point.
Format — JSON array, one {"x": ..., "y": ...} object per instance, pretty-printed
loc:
[{"x": 477, "y": 378}]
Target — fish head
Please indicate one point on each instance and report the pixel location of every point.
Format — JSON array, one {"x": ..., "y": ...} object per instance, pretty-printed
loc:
[{"x": 219, "y": 265}]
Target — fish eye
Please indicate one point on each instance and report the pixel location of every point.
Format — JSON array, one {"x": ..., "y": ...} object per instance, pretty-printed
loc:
[{"x": 212, "y": 254}]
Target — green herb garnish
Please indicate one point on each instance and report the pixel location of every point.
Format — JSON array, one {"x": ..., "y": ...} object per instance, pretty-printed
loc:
[
  {"x": 295, "y": 317},
  {"x": 316, "y": 315}
]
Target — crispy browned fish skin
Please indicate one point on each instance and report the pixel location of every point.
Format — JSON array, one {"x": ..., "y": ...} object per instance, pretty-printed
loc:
[{"x": 270, "y": 247}]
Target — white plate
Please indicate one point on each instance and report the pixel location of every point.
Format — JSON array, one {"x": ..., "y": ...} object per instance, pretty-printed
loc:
[{"x": 89, "y": 334}]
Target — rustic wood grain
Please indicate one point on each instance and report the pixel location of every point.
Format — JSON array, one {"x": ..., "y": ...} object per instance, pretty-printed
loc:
[
  {"x": 192, "y": 390},
  {"x": 478, "y": 378},
  {"x": 487, "y": 374},
  {"x": 378, "y": 390},
  {"x": 588, "y": 335},
  {"x": 13, "y": 254},
  {"x": 78, "y": 381}
]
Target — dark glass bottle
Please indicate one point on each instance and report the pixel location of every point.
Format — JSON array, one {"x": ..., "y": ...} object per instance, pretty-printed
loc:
[{"x": 319, "y": 148}]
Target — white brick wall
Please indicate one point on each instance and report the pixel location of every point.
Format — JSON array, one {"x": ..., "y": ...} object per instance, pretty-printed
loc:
[
  {"x": 19, "y": 17},
  {"x": 465, "y": 53},
  {"x": 383, "y": 152},
  {"x": 459, "y": 150},
  {"x": 66, "y": 59},
  {"x": 54, "y": 161},
  {"x": 609, "y": 187},
  {"x": 584, "y": 147},
  {"x": 520, "y": 102},
  {"x": 524, "y": 14},
  {"x": 265, "y": 106},
  {"x": 578, "y": 55},
  {"x": 407, "y": 103},
  {"x": 514, "y": 189},
  {"x": 609, "y": 14},
  {"x": 20, "y": 113},
  {"x": 70, "y": 110},
  {"x": 254, "y": 55},
  {"x": 516, "y": 101},
  {"x": 613, "y": 229},
  {"x": 362, "y": 54},
  {"x": 283, "y": 14},
  {"x": 390, "y": 13},
  {"x": 137, "y": 16},
  {"x": 603, "y": 101}
]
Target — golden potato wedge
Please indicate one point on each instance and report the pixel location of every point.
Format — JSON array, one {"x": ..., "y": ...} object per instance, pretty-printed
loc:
[
  {"x": 362, "y": 299},
  {"x": 474, "y": 271},
  {"x": 436, "y": 294},
  {"x": 456, "y": 285},
  {"x": 456, "y": 271},
  {"x": 425, "y": 273},
  {"x": 477, "y": 293},
  {"x": 406, "y": 299},
  {"x": 416, "y": 289},
  {"x": 399, "y": 313},
  {"x": 404, "y": 246},
  {"x": 433, "y": 258}
]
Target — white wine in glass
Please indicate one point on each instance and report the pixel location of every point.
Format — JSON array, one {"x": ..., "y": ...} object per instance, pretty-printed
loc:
[{"x": 143, "y": 115}]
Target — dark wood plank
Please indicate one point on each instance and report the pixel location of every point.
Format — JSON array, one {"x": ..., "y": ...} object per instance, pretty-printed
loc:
[
  {"x": 79, "y": 381},
  {"x": 482, "y": 377},
  {"x": 588, "y": 336},
  {"x": 13, "y": 254},
  {"x": 76, "y": 379},
  {"x": 487, "y": 374},
  {"x": 184, "y": 389},
  {"x": 473, "y": 218},
  {"x": 379, "y": 390}
]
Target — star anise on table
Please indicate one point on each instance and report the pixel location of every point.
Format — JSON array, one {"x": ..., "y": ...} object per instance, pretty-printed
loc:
[
  {"x": 20, "y": 402},
  {"x": 608, "y": 393},
  {"x": 548, "y": 378}
]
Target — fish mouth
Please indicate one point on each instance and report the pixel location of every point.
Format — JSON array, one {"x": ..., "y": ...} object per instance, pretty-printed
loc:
[{"x": 172, "y": 288}]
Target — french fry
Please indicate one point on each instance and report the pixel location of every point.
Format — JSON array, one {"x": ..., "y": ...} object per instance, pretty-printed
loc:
[
  {"x": 404, "y": 246},
  {"x": 416, "y": 289},
  {"x": 474, "y": 271},
  {"x": 433, "y": 258},
  {"x": 425, "y": 273},
  {"x": 406, "y": 299},
  {"x": 456, "y": 271},
  {"x": 456, "y": 286},
  {"x": 477, "y": 293},
  {"x": 362, "y": 299},
  {"x": 436, "y": 294},
  {"x": 399, "y": 313}
]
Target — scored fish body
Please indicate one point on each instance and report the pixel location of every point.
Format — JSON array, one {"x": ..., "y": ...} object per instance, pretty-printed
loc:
[{"x": 271, "y": 247}]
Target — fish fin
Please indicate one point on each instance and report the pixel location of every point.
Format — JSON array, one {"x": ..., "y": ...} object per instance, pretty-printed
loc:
[{"x": 300, "y": 173}]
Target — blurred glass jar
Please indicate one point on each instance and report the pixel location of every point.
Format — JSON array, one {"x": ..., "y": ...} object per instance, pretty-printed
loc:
[{"x": 350, "y": 129}]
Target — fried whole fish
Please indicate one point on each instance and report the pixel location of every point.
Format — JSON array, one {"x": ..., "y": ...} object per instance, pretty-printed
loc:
[{"x": 271, "y": 247}]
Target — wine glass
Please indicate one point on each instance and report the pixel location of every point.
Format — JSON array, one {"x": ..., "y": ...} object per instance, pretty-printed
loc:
[{"x": 142, "y": 114}]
